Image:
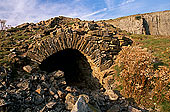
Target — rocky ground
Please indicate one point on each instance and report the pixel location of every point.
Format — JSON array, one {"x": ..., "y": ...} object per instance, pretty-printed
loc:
[{"x": 42, "y": 92}]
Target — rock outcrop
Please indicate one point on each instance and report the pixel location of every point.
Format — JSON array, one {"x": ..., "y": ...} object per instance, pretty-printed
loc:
[{"x": 157, "y": 23}]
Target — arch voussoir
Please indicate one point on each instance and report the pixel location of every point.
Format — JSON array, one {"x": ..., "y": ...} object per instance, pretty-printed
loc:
[
  {"x": 62, "y": 40},
  {"x": 79, "y": 42},
  {"x": 52, "y": 45},
  {"x": 74, "y": 42},
  {"x": 68, "y": 39},
  {"x": 34, "y": 57},
  {"x": 86, "y": 49},
  {"x": 46, "y": 47},
  {"x": 59, "y": 44}
]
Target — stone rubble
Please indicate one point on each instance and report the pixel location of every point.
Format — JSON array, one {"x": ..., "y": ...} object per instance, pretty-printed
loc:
[
  {"x": 34, "y": 94},
  {"x": 27, "y": 68}
]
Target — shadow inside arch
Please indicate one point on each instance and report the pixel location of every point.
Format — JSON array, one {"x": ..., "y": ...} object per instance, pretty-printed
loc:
[{"x": 76, "y": 68}]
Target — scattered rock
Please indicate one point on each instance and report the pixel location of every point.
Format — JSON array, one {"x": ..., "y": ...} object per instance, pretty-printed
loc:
[
  {"x": 28, "y": 110},
  {"x": 61, "y": 94},
  {"x": 43, "y": 78},
  {"x": 45, "y": 85},
  {"x": 3, "y": 102},
  {"x": 111, "y": 94},
  {"x": 27, "y": 68},
  {"x": 85, "y": 97},
  {"x": 38, "y": 91},
  {"x": 81, "y": 106},
  {"x": 51, "y": 92},
  {"x": 50, "y": 104},
  {"x": 132, "y": 109},
  {"x": 70, "y": 101},
  {"x": 38, "y": 99},
  {"x": 114, "y": 108},
  {"x": 23, "y": 85},
  {"x": 59, "y": 74},
  {"x": 68, "y": 88},
  {"x": 56, "y": 96}
]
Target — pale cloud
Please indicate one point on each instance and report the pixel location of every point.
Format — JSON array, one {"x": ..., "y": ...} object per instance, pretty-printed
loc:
[
  {"x": 77, "y": 0},
  {"x": 127, "y": 2},
  {"x": 93, "y": 13},
  {"x": 21, "y": 11},
  {"x": 110, "y": 4}
]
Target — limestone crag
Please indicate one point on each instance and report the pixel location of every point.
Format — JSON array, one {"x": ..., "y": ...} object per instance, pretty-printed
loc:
[{"x": 157, "y": 23}]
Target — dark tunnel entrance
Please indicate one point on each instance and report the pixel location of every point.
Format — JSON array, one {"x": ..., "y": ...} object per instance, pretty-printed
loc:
[{"x": 74, "y": 64}]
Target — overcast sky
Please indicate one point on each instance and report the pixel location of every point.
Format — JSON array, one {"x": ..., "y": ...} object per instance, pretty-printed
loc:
[{"x": 20, "y": 11}]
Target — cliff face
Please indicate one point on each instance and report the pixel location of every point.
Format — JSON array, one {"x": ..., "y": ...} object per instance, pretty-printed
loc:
[{"x": 157, "y": 23}]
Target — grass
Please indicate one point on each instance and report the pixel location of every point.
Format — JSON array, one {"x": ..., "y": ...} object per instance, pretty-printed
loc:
[
  {"x": 21, "y": 37},
  {"x": 160, "y": 46},
  {"x": 118, "y": 70},
  {"x": 13, "y": 30},
  {"x": 165, "y": 106},
  {"x": 4, "y": 61},
  {"x": 71, "y": 23}
]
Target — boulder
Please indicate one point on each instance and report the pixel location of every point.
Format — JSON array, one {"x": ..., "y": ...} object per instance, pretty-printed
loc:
[
  {"x": 3, "y": 103},
  {"x": 114, "y": 108},
  {"x": 83, "y": 106},
  {"x": 59, "y": 74},
  {"x": 111, "y": 94},
  {"x": 27, "y": 68},
  {"x": 91, "y": 26},
  {"x": 70, "y": 101},
  {"x": 50, "y": 104},
  {"x": 61, "y": 94},
  {"x": 23, "y": 85},
  {"x": 108, "y": 82},
  {"x": 56, "y": 96},
  {"x": 132, "y": 109},
  {"x": 38, "y": 99}
]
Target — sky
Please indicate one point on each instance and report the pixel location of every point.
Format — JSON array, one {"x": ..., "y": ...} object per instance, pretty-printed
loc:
[{"x": 20, "y": 11}]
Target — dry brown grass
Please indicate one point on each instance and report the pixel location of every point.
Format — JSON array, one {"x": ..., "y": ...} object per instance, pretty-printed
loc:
[{"x": 140, "y": 80}]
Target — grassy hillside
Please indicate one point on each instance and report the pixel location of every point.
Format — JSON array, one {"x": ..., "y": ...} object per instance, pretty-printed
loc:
[
  {"x": 158, "y": 45},
  {"x": 141, "y": 78}
]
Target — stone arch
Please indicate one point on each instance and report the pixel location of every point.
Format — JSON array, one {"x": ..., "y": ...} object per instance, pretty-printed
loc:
[{"x": 99, "y": 51}]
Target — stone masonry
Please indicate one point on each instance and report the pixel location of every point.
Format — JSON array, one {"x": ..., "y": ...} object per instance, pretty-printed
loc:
[{"x": 98, "y": 44}]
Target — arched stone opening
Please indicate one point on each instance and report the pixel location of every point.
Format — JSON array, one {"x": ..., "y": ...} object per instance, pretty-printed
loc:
[{"x": 76, "y": 68}]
